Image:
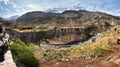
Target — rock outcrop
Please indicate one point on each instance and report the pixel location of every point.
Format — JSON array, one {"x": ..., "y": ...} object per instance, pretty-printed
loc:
[
  {"x": 66, "y": 35},
  {"x": 27, "y": 37},
  {"x": 70, "y": 35},
  {"x": 8, "y": 60}
]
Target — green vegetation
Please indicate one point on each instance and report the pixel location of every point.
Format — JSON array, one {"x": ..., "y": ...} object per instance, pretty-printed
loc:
[
  {"x": 100, "y": 51},
  {"x": 22, "y": 55},
  {"x": 59, "y": 55}
]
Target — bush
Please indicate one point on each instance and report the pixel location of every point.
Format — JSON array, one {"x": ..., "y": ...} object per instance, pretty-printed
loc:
[
  {"x": 99, "y": 51},
  {"x": 23, "y": 56}
]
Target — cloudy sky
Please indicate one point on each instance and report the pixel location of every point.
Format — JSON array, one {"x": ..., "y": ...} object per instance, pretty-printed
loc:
[{"x": 18, "y": 7}]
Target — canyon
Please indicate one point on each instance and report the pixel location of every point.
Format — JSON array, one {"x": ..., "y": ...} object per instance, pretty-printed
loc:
[{"x": 60, "y": 35}]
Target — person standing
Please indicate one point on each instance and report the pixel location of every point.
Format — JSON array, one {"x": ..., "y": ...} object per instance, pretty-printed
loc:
[
  {"x": 6, "y": 39},
  {"x": 1, "y": 45}
]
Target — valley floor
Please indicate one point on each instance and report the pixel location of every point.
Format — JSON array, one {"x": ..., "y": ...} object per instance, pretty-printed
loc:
[{"x": 108, "y": 53}]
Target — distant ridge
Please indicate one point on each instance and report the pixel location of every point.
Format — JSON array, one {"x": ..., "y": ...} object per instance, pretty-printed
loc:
[
  {"x": 1, "y": 18},
  {"x": 12, "y": 18},
  {"x": 64, "y": 17}
]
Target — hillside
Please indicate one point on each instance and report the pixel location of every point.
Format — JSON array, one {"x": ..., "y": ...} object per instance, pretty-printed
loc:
[
  {"x": 53, "y": 31},
  {"x": 104, "y": 52},
  {"x": 37, "y": 16},
  {"x": 70, "y": 18},
  {"x": 67, "y": 16},
  {"x": 67, "y": 27}
]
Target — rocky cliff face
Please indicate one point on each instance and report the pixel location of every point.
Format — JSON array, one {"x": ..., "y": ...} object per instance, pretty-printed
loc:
[
  {"x": 65, "y": 35},
  {"x": 27, "y": 37},
  {"x": 8, "y": 62},
  {"x": 92, "y": 22}
]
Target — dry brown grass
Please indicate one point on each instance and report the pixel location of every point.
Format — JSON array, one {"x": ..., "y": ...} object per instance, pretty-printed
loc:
[{"x": 88, "y": 48}]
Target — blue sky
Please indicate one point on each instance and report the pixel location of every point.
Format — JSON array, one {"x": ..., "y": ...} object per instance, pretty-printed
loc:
[{"x": 18, "y": 7}]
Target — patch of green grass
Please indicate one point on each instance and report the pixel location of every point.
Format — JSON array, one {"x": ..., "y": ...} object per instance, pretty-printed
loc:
[
  {"x": 99, "y": 51},
  {"x": 22, "y": 55}
]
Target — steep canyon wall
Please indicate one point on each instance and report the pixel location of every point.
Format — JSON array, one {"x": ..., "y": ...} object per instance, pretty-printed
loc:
[{"x": 69, "y": 35}]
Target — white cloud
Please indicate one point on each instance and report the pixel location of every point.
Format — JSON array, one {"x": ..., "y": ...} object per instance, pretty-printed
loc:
[
  {"x": 35, "y": 7},
  {"x": 6, "y": 1},
  {"x": 14, "y": 6},
  {"x": 32, "y": 6},
  {"x": 18, "y": 10},
  {"x": 14, "y": 10}
]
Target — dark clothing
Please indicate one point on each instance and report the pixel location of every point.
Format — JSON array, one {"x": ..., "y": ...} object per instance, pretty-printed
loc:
[
  {"x": 3, "y": 45},
  {"x": 1, "y": 37},
  {"x": 1, "y": 30},
  {"x": 1, "y": 54}
]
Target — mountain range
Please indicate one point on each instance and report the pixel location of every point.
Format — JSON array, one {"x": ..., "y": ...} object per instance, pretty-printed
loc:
[
  {"x": 1, "y": 18},
  {"x": 12, "y": 18},
  {"x": 65, "y": 17}
]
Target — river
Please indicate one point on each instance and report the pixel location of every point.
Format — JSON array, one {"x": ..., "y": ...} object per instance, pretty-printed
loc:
[{"x": 59, "y": 47}]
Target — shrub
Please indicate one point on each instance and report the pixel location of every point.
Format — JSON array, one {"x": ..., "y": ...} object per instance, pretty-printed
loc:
[
  {"x": 23, "y": 56},
  {"x": 99, "y": 51}
]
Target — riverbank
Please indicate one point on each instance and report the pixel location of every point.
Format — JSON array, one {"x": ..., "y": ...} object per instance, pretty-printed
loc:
[{"x": 59, "y": 47}]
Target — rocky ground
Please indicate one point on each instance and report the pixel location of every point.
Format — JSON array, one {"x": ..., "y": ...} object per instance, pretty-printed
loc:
[
  {"x": 111, "y": 61},
  {"x": 8, "y": 62}
]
